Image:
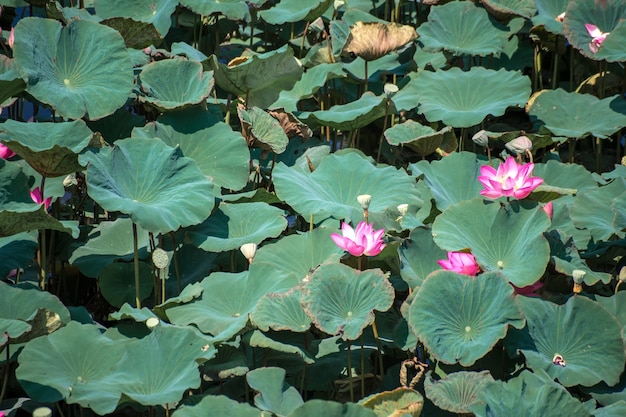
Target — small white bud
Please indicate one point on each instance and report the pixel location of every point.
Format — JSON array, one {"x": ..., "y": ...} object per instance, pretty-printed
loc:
[
  {"x": 249, "y": 250},
  {"x": 403, "y": 209}
]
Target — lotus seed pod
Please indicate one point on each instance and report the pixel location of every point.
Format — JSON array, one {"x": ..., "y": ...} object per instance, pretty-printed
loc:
[
  {"x": 481, "y": 138},
  {"x": 152, "y": 322},
  {"x": 364, "y": 200},
  {"x": 160, "y": 258},
  {"x": 42, "y": 412},
  {"x": 520, "y": 145},
  {"x": 578, "y": 276},
  {"x": 249, "y": 250},
  {"x": 390, "y": 89},
  {"x": 622, "y": 274},
  {"x": 403, "y": 209}
]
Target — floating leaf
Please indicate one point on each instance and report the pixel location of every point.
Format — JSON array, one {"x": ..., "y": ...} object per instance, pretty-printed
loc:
[
  {"x": 507, "y": 239},
  {"x": 233, "y": 225},
  {"x": 457, "y": 392},
  {"x": 281, "y": 311},
  {"x": 192, "y": 85},
  {"x": 576, "y": 115},
  {"x": 401, "y": 401},
  {"x": 460, "y": 318},
  {"x": 155, "y": 184},
  {"x": 274, "y": 394},
  {"x": 581, "y": 332},
  {"x": 157, "y": 12},
  {"x": 341, "y": 300},
  {"x": 82, "y": 69},
  {"x": 464, "y": 98}
]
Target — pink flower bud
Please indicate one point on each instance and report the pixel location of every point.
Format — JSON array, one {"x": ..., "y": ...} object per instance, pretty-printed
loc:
[
  {"x": 548, "y": 209},
  {"x": 5, "y": 152},
  {"x": 11, "y": 39},
  {"x": 38, "y": 198}
]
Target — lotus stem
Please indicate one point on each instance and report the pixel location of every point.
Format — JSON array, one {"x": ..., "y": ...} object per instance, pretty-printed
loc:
[
  {"x": 176, "y": 267},
  {"x": 136, "y": 261},
  {"x": 311, "y": 223},
  {"x": 555, "y": 63},
  {"x": 366, "y": 79},
  {"x": 7, "y": 369},
  {"x": 598, "y": 154},
  {"x": 571, "y": 68},
  {"x": 306, "y": 30},
  {"x": 350, "y": 371},
  {"x": 382, "y": 133},
  {"x": 381, "y": 366},
  {"x": 362, "y": 375}
]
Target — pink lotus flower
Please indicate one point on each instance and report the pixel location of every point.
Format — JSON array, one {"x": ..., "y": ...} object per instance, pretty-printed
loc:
[
  {"x": 461, "y": 262},
  {"x": 11, "y": 39},
  {"x": 5, "y": 152},
  {"x": 362, "y": 241},
  {"x": 597, "y": 35},
  {"x": 548, "y": 209},
  {"x": 38, "y": 198},
  {"x": 510, "y": 180},
  {"x": 529, "y": 290}
]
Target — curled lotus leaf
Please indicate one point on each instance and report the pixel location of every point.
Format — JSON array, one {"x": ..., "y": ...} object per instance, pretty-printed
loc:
[
  {"x": 157, "y": 12},
  {"x": 458, "y": 391},
  {"x": 350, "y": 116},
  {"x": 424, "y": 140},
  {"x": 262, "y": 130},
  {"x": 508, "y": 8},
  {"x": 372, "y": 40},
  {"x": 400, "y": 401}
]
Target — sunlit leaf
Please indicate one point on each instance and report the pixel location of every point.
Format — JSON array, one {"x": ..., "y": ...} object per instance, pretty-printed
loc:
[{"x": 458, "y": 391}]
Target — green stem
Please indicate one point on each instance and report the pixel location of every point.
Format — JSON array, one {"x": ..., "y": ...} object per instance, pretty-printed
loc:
[
  {"x": 350, "y": 371},
  {"x": 598, "y": 154},
  {"x": 362, "y": 368},
  {"x": 378, "y": 348},
  {"x": 382, "y": 133},
  {"x": 365, "y": 87},
  {"x": 176, "y": 267},
  {"x": 555, "y": 64},
  {"x": 136, "y": 261},
  {"x": 7, "y": 368}
]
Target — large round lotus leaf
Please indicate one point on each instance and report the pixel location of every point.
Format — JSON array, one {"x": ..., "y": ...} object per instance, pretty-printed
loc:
[
  {"x": 507, "y": 238},
  {"x": 310, "y": 82},
  {"x": 418, "y": 256},
  {"x": 262, "y": 130},
  {"x": 281, "y": 312},
  {"x": 11, "y": 84},
  {"x": 351, "y": 116},
  {"x": 562, "y": 175},
  {"x": 524, "y": 8},
  {"x": 608, "y": 17},
  {"x": 463, "y": 29},
  {"x": 218, "y": 405},
  {"x": 576, "y": 115},
  {"x": 192, "y": 85},
  {"x": 258, "y": 78},
  {"x": 456, "y": 392},
  {"x": 460, "y": 318},
  {"x": 17, "y": 251},
  {"x": 82, "y": 69},
  {"x": 547, "y": 12},
  {"x": 232, "y": 9},
  {"x": 27, "y": 313},
  {"x": 527, "y": 395},
  {"x": 451, "y": 179},
  {"x": 598, "y": 210},
  {"x": 317, "y": 408},
  {"x": 233, "y": 225},
  {"x": 50, "y": 148},
  {"x": 585, "y": 335},
  {"x": 117, "y": 283},
  {"x": 220, "y": 153},
  {"x": 422, "y": 139},
  {"x": 401, "y": 401},
  {"x": 464, "y": 98},
  {"x": 154, "y": 183},
  {"x": 332, "y": 189},
  {"x": 274, "y": 394},
  {"x": 341, "y": 300},
  {"x": 226, "y": 301},
  {"x": 81, "y": 368},
  {"x": 157, "y": 12},
  {"x": 294, "y": 10},
  {"x": 108, "y": 242}
]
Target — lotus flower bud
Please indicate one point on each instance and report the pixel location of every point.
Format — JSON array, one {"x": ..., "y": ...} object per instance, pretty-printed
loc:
[
  {"x": 578, "y": 275},
  {"x": 622, "y": 274},
  {"x": 364, "y": 200},
  {"x": 403, "y": 209},
  {"x": 160, "y": 258},
  {"x": 249, "y": 250},
  {"x": 152, "y": 322},
  {"x": 481, "y": 138},
  {"x": 519, "y": 145},
  {"x": 390, "y": 89}
]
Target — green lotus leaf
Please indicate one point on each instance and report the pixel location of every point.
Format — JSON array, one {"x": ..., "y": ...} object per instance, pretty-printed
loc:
[
  {"x": 155, "y": 184},
  {"x": 136, "y": 34},
  {"x": 82, "y": 69},
  {"x": 463, "y": 29},
  {"x": 294, "y": 10},
  {"x": 108, "y": 242},
  {"x": 456, "y": 392},
  {"x": 460, "y": 318},
  {"x": 279, "y": 343},
  {"x": 584, "y": 334},
  {"x": 258, "y": 78},
  {"x": 418, "y": 256},
  {"x": 50, "y": 148},
  {"x": 218, "y": 405},
  {"x": 547, "y": 12},
  {"x": 401, "y": 401},
  {"x": 192, "y": 85},
  {"x": 274, "y": 394},
  {"x": 528, "y": 394},
  {"x": 310, "y": 82},
  {"x": 341, "y": 300},
  {"x": 149, "y": 11},
  {"x": 464, "y": 98},
  {"x": 501, "y": 8},
  {"x": 232, "y": 9},
  {"x": 27, "y": 313},
  {"x": 262, "y": 130},
  {"x": 351, "y": 116},
  {"x": 11, "y": 84},
  {"x": 117, "y": 285},
  {"x": 422, "y": 139},
  {"x": 594, "y": 210},
  {"x": 127, "y": 312},
  {"x": 424, "y": 59},
  {"x": 566, "y": 260},
  {"x": 332, "y": 189},
  {"x": 616, "y": 409},
  {"x": 226, "y": 301},
  {"x": 17, "y": 251},
  {"x": 576, "y": 115},
  {"x": 81, "y": 367},
  {"x": 609, "y": 18},
  {"x": 316, "y": 408},
  {"x": 616, "y": 306},
  {"x": 281, "y": 311},
  {"x": 558, "y": 174},
  {"x": 508, "y": 239},
  {"x": 233, "y": 225},
  {"x": 229, "y": 362},
  {"x": 451, "y": 179},
  {"x": 221, "y": 153}
]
